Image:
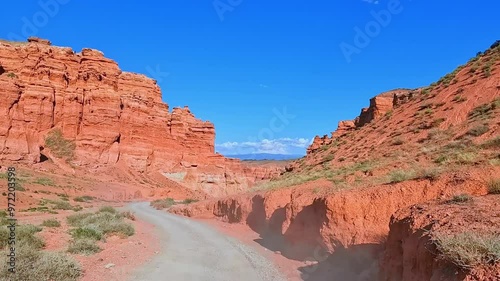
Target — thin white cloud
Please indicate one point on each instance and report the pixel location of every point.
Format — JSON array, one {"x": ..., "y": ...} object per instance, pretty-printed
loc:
[
  {"x": 263, "y": 86},
  {"x": 274, "y": 146},
  {"x": 372, "y": 1}
]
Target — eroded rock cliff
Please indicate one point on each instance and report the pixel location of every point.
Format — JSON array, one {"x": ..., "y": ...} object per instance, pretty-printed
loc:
[{"x": 111, "y": 116}]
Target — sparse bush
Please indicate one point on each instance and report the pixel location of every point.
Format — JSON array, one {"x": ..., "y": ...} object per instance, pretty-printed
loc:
[
  {"x": 494, "y": 186},
  {"x": 51, "y": 223},
  {"x": 425, "y": 106},
  {"x": 397, "y": 141},
  {"x": 492, "y": 143},
  {"x": 468, "y": 249},
  {"x": 495, "y": 45},
  {"x": 44, "y": 182},
  {"x": 86, "y": 233},
  {"x": 103, "y": 223},
  {"x": 329, "y": 158},
  {"x": 61, "y": 205},
  {"x": 84, "y": 198},
  {"x": 189, "y": 201},
  {"x": 430, "y": 174},
  {"x": 11, "y": 75},
  {"x": 25, "y": 235},
  {"x": 478, "y": 130},
  {"x": 401, "y": 175},
  {"x": 84, "y": 246},
  {"x": 75, "y": 219},
  {"x": 59, "y": 146},
  {"x": 461, "y": 198},
  {"x": 466, "y": 158},
  {"x": 108, "y": 209},
  {"x": 163, "y": 203},
  {"x": 484, "y": 111},
  {"x": 19, "y": 187},
  {"x": 437, "y": 122},
  {"x": 35, "y": 265},
  {"x": 459, "y": 99}
]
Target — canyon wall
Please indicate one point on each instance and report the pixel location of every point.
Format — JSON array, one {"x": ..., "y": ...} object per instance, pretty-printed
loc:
[{"x": 111, "y": 116}]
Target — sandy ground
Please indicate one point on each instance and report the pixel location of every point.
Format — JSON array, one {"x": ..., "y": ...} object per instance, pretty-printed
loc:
[
  {"x": 289, "y": 268},
  {"x": 193, "y": 251}
]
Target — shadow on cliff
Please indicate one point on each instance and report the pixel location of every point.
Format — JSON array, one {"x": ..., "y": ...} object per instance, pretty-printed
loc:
[
  {"x": 301, "y": 241},
  {"x": 356, "y": 263}
]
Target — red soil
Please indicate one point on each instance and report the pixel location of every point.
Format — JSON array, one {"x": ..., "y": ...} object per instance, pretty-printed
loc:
[{"x": 411, "y": 255}]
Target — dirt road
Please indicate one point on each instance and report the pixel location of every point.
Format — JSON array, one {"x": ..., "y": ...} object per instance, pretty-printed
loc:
[{"x": 194, "y": 251}]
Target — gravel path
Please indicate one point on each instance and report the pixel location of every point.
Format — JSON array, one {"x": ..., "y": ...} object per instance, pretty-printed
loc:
[{"x": 194, "y": 251}]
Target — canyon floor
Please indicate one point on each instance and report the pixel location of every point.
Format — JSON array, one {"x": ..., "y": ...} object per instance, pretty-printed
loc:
[{"x": 193, "y": 250}]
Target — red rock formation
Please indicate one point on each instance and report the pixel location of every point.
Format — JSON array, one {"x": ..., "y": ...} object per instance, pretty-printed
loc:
[
  {"x": 379, "y": 106},
  {"x": 112, "y": 116}
]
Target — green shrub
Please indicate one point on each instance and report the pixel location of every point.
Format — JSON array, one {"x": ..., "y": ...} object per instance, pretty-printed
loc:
[
  {"x": 108, "y": 209},
  {"x": 189, "y": 201},
  {"x": 329, "y": 158},
  {"x": 19, "y": 187},
  {"x": 466, "y": 158},
  {"x": 461, "y": 198},
  {"x": 484, "y": 111},
  {"x": 89, "y": 232},
  {"x": 45, "y": 182},
  {"x": 75, "y": 219},
  {"x": 84, "y": 198},
  {"x": 163, "y": 203},
  {"x": 51, "y": 223},
  {"x": 459, "y": 99},
  {"x": 494, "y": 186},
  {"x": 400, "y": 176},
  {"x": 35, "y": 265},
  {"x": 60, "y": 147},
  {"x": 492, "y": 143},
  {"x": 61, "y": 205},
  {"x": 429, "y": 173},
  {"x": 468, "y": 249},
  {"x": 25, "y": 235},
  {"x": 101, "y": 223},
  {"x": 478, "y": 131},
  {"x": 84, "y": 246}
]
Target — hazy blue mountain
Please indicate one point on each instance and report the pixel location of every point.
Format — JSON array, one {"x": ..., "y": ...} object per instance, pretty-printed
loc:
[{"x": 265, "y": 156}]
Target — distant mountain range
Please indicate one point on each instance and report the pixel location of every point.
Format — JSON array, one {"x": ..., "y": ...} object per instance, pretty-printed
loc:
[{"x": 265, "y": 156}]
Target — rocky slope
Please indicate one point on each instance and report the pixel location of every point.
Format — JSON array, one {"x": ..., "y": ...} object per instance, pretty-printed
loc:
[
  {"x": 108, "y": 117},
  {"x": 411, "y": 250},
  {"x": 334, "y": 206}
]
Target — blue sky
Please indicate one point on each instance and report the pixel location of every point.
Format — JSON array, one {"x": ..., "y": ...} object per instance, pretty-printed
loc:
[{"x": 269, "y": 74}]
